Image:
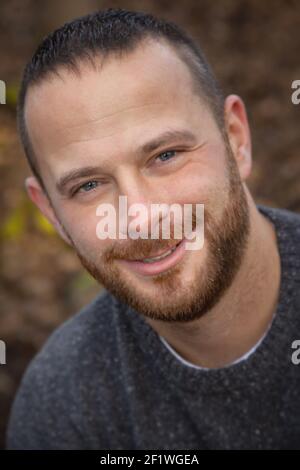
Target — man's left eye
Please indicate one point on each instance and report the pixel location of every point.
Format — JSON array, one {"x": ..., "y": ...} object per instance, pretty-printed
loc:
[
  {"x": 86, "y": 187},
  {"x": 165, "y": 156}
]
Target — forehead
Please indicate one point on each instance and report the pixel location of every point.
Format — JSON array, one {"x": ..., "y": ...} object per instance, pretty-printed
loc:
[{"x": 120, "y": 98}]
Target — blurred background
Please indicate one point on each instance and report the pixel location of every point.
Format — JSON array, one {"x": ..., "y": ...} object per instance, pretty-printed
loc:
[{"x": 253, "y": 47}]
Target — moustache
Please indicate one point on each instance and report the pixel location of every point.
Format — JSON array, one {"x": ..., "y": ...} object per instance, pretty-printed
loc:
[{"x": 144, "y": 248}]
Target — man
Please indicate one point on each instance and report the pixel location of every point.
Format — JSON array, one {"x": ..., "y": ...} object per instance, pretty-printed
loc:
[{"x": 183, "y": 349}]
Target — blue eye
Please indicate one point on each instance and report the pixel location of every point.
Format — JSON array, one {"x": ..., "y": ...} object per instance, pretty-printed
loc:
[
  {"x": 86, "y": 187},
  {"x": 165, "y": 156}
]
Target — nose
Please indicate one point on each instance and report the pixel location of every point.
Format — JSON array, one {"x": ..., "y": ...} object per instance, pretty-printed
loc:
[{"x": 138, "y": 212}]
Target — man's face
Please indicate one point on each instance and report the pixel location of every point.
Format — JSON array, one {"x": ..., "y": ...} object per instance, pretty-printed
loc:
[{"x": 95, "y": 126}]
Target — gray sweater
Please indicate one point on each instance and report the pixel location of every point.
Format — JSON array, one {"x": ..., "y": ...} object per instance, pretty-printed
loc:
[{"x": 105, "y": 380}]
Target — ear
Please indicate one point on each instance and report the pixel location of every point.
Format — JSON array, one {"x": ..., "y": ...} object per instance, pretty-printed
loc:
[
  {"x": 239, "y": 134},
  {"x": 41, "y": 200}
]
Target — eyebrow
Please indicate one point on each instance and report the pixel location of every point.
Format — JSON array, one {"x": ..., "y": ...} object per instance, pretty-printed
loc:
[
  {"x": 166, "y": 137},
  {"x": 148, "y": 147}
]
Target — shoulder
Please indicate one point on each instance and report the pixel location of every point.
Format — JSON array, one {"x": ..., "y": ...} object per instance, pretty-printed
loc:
[
  {"x": 81, "y": 337},
  {"x": 287, "y": 226},
  {"x": 58, "y": 389},
  {"x": 281, "y": 217}
]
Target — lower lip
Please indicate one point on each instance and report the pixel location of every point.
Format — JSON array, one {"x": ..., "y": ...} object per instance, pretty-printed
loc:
[{"x": 151, "y": 269}]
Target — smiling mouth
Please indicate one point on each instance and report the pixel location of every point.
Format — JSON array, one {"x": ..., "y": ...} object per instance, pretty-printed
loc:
[
  {"x": 153, "y": 259},
  {"x": 156, "y": 264}
]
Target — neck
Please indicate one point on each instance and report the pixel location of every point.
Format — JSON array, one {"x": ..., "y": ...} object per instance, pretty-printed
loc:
[{"x": 244, "y": 313}]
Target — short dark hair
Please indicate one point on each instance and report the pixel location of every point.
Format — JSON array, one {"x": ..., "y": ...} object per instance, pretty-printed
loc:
[{"x": 106, "y": 32}]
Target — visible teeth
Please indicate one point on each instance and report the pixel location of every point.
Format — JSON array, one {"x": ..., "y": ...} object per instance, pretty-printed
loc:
[{"x": 152, "y": 260}]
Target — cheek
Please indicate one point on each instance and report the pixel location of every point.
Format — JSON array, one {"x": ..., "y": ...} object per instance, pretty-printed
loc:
[
  {"x": 201, "y": 183},
  {"x": 81, "y": 225}
]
